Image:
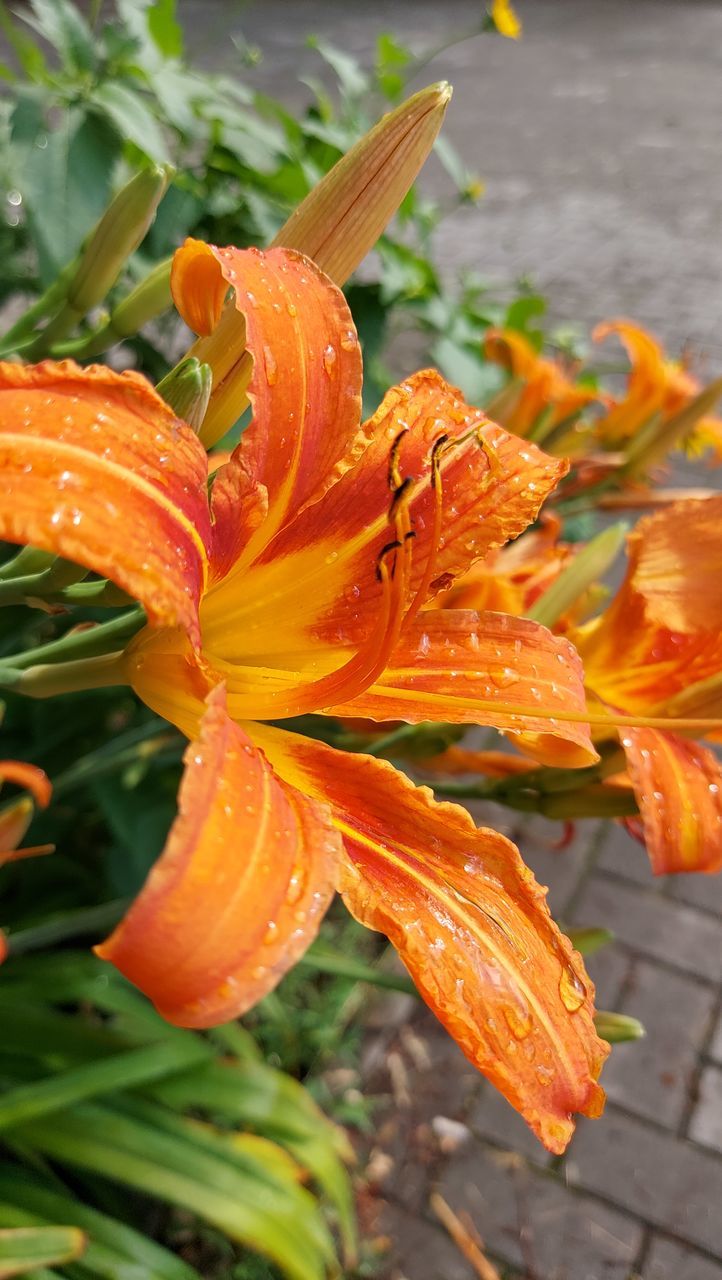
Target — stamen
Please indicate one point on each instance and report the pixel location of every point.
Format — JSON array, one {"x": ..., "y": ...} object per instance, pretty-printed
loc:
[
  {"x": 394, "y": 475},
  {"x": 429, "y": 573}
]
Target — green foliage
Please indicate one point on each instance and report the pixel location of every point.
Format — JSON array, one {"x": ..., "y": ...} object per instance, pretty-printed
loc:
[
  {"x": 109, "y": 1094},
  {"x": 115, "y": 96}
]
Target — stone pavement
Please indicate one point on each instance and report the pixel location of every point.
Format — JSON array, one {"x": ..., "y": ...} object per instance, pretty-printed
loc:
[
  {"x": 597, "y": 136},
  {"x": 639, "y": 1192}
]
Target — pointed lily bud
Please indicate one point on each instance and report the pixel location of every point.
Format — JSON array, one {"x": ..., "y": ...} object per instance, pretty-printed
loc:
[
  {"x": 617, "y": 1027},
  {"x": 187, "y": 390},
  {"x": 587, "y": 567},
  {"x": 117, "y": 235},
  {"x": 342, "y": 218},
  {"x": 336, "y": 225}
]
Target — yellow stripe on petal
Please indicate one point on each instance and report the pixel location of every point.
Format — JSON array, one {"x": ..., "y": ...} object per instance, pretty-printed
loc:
[
  {"x": 485, "y": 668},
  {"x": 678, "y": 785},
  {"x": 471, "y": 925}
]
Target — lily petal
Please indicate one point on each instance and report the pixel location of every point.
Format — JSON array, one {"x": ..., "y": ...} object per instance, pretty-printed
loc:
[
  {"x": 317, "y": 584},
  {"x": 676, "y": 565},
  {"x": 646, "y": 385},
  {"x": 240, "y": 889},
  {"x": 485, "y": 668},
  {"x": 678, "y": 785},
  {"x": 99, "y": 470},
  {"x": 29, "y": 776},
  {"x": 305, "y": 380},
  {"x": 470, "y": 923}
]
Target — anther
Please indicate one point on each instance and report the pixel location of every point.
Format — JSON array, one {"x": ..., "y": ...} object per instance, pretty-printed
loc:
[{"x": 394, "y": 476}]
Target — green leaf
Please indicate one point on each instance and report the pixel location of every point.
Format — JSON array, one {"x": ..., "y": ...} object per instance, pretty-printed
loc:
[
  {"x": 119, "y": 1242},
  {"x": 164, "y": 29},
  {"x": 272, "y": 1103},
  {"x": 353, "y": 80},
  {"x": 133, "y": 120},
  {"x": 139, "y": 819},
  {"x": 122, "y": 1071},
  {"x": 29, "y": 56},
  {"x": 61, "y": 23},
  {"x": 64, "y": 177},
  {"x": 185, "y": 1166},
  {"x": 391, "y": 58},
  {"x": 24, "y": 1248}
]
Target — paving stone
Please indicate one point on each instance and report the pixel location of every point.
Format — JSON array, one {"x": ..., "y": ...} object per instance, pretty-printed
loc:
[
  {"x": 715, "y": 1049},
  {"x": 419, "y": 1250},
  {"x": 665, "y": 1181},
  {"x": 653, "y": 1077},
  {"x": 624, "y": 856},
  {"x": 670, "y": 1261},
  {"x": 608, "y": 969},
  {"x": 653, "y": 925},
  {"x": 559, "y": 869},
  {"x": 494, "y": 1118},
  {"x": 535, "y": 1222},
  {"x": 706, "y": 1122},
  {"x": 698, "y": 890}
]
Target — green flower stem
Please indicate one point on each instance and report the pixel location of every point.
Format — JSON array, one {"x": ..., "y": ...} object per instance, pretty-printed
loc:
[
  {"x": 595, "y": 801},
  {"x": 58, "y": 328},
  {"x": 38, "y": 309},
  {"x": 104, "y": 638},
  {"x": 48, "y": 680}
]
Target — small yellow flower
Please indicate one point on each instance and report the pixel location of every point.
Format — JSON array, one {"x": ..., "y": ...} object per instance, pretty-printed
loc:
[{"x": 505, "y": 19}]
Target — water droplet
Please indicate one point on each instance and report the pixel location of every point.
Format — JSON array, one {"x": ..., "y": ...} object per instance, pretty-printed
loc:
[
  {"x": 329, "y": 358},
  {"x": 271, "y": 368},
  {"x": 503, "y": 677},
  {"x": 518, "y": 1019},
  {"x": 572, "y": 990},
  {"x": 292, "y": 309},
  {"x": 271, "y": 932},
  {"x": 348, "y": 340}
]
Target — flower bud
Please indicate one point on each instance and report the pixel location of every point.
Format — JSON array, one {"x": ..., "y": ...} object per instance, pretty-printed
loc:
[
  {"x": 342, "y": 218},
  {"x": 617, "y": 1027},
  {"x": 117, "y": 235},
  {"x": 187, "y": 389},
  {"x": 588, "y": 566},
  {"x": 147, "y": 300},
  {"x": 336, "y": 225}
]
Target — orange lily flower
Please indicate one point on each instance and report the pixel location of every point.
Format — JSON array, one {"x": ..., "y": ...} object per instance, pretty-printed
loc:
[
  {"x": 655, "y": 651},
  {"x": 16, "y": 817},
  {"x": 546, "y": 395},
  {"x": 300, "y": 591},
  {"x": 656, "y": 385},
  {"x": 657, "y": 641}
]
